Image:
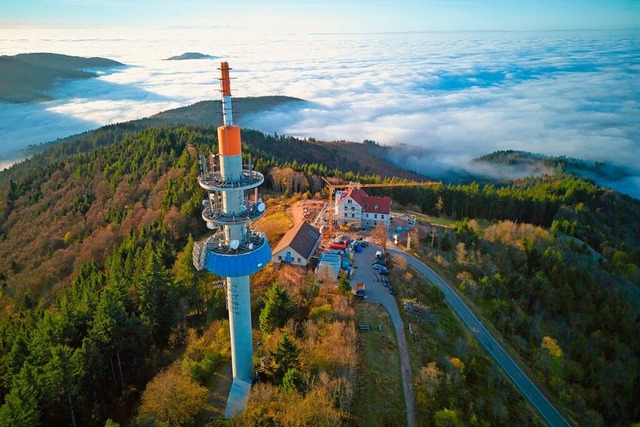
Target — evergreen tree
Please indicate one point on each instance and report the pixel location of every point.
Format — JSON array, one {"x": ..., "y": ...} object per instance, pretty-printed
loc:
[
  {"x": 286, "y": 356},
  {"x": 293, "y": 380},
  {"x": 60, "y": 391},
  {"x": 153, "y": 289},
  {"x": 109, "y": 329},
  {"x": 278, "y": 308},
  {"x": 21, "y": 407},
  {"x": 185, "y": 276}
]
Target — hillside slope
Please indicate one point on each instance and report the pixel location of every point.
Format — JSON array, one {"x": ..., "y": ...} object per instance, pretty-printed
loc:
[
  {"x": 114, "y": 209},
  {"x": 90, "y": 185},
  {"x": 205, "y": 113},
  {"x": 621, "y": 178},
  {"x": 29, "y": 77}
]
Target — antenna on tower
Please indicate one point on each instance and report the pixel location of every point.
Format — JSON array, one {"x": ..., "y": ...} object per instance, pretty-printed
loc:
[
  {"x": 203, "y": 164},
  {"x": 225, "y": 88},
  {"x": 212, "y": 162}
]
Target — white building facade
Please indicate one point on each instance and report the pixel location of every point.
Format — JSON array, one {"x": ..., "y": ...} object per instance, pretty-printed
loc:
[
  {"x": 349, "y": 204},
  {"x": 354, "y": 205}
]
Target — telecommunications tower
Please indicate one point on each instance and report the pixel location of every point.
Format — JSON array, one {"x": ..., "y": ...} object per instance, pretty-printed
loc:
[{"x": 233, "y": 251}]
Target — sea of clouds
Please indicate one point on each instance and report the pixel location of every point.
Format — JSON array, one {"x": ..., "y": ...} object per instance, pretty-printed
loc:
[{"x": 441, "y": 98}]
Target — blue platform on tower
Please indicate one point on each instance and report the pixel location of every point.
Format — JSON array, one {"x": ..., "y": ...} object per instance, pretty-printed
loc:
[{"x": 238, "y": 264}]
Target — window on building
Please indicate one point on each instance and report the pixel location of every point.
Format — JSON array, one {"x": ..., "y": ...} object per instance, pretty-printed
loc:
[
  {"x": 299, "y": 261},
  {"x": 349, "y": 201},
  {"x": 375, "y": 215},
  {"x": 279, "y": 257},
  {"x": 353, "y": 215},
  {"x": 375, "y": 223}
]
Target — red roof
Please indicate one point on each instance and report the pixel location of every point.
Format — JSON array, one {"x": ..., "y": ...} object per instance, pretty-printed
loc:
[
  {"x": 356, "y": 194},
  {"x": 374, "y": 204}
]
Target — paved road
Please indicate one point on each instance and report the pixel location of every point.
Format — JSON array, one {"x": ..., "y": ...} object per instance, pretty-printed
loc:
[
  {"x": 528, "y": 389},
  {"x": 377, "y": 293},
  {"x": 374, "y": 290}
]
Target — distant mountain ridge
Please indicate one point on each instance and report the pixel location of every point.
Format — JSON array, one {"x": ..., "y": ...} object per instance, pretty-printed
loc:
[
  {"x": 191, "y": 55},
  {"x": 29, "y": 77},
  {"x": 586, "y": 168}
]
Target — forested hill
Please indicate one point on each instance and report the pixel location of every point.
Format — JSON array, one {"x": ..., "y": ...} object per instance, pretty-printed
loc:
[
  {"x": 203, "y": 113},
  {"x": 519, "y": 158},
  {"x": 210, "y": 112},
  {"x": 29, "y": 77},
  {"x": 542, "y": 163},
  {"x": 94, "y": 247},
  {"x": 80, "y": 189},
  {"x": 95, "y": 264}
]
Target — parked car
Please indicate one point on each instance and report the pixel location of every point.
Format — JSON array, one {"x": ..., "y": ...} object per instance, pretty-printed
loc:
[
  {"x": 339, "y": 245},
  {"x": 392, "y": 290},
  {"x": 385, "y": 282},
  {"x": 381, "y": 269},
  {"x": 358, "y": 291}
]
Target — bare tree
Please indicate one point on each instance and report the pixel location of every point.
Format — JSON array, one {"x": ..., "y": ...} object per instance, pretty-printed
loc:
[{"x": 379, "y": 235}]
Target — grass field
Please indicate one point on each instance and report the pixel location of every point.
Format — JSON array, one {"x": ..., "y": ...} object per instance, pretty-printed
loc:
[
  {"x": 444, "y": 222},
  {"x": 275, "y": 224},
  {"x": 379, "y": 397}
]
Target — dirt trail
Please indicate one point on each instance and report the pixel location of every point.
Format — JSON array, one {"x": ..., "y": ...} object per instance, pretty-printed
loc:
[
  {"x": 407, "y": 385},
  {"x": 219, "y": 387}
]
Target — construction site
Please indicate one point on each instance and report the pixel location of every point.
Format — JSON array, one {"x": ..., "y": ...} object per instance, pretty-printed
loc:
[{"x": 326, "y": 235}]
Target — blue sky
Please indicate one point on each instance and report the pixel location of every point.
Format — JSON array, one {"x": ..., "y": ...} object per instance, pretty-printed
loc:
[{"x": 329, "y": 16}]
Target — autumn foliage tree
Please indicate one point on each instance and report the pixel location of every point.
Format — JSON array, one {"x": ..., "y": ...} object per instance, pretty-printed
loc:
[{"x": 171, "y": 399}]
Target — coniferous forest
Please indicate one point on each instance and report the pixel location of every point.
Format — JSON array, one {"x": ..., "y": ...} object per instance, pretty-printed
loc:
[{"x": 99, "y": 297}]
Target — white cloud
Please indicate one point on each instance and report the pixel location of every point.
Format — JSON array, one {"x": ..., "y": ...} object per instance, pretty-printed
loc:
[{"x": 457, "y": 96}]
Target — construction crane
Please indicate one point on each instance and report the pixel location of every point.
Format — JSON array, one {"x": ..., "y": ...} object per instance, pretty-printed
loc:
[{"x": 392, "y": 183}]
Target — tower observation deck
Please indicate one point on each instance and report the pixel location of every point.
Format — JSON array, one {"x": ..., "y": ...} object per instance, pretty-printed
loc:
[{"x": 233, "y": 250}]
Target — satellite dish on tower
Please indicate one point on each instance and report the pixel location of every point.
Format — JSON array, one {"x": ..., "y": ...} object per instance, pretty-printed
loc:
[
  {"x": 205, "y": 203},
  {"x": 234, "y": 244},
  {"x": 260, "y": 207},
  {"x": 211, "y": 225},
  {"x": 243, "y": 208}
]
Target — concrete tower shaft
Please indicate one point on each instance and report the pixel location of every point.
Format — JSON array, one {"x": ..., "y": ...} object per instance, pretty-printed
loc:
[{"x": 234, "y": 251}]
